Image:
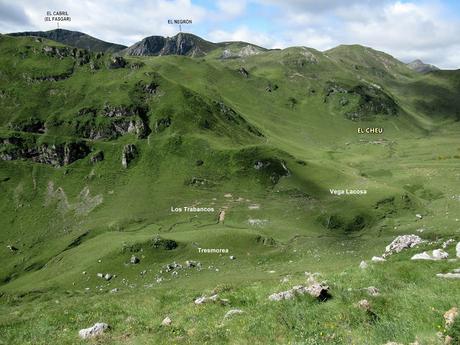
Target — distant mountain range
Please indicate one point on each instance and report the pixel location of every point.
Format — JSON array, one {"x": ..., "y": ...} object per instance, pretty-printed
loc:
[
  {"x": 181, "y": 44},
  {"x": 420, "y": 66},
  {"x": 75, "y": 39}
]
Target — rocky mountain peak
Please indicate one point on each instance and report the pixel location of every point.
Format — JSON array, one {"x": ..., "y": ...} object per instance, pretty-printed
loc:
[
  {"x": 180, "y": 44},
  {"x": 421, "y": 67}
]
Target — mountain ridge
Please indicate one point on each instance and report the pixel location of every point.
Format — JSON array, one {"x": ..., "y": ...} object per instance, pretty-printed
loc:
[
  {"x": 187, "y": 44},
  {"x": 74, "y": 38}
]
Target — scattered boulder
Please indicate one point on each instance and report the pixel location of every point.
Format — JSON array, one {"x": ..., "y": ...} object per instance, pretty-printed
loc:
[
  {"x": 447, "y": 243},
  {"x": 437, "y": 254},
  {"x": 172, "y": 266},
  {"x": 97, "y": 330},
  {"x": 243, "y": 72},
  {"x": 191, "y": 264},
  {"x": 377, "y": 259},
  {"x": 134, "y": 260},
  {"x": 314, "y": 289},
  {"x": 108, "y": 276},
  {"x": 211, "y": 299},
  {"x": 457, "y": 250},
  {"x": 402, "y": 242},
  {"x": 117, "y": 62},
  {"x": 373, "y": 291},
  {"x": 115, "y": 290},
  {"x": 12, "y": 248},
  {"x": 166, "y": 321},
  {"x": 221, "y": 216},
  {"x": 448, "y": 275},
  {"x": 231, "y": 257},
  {"x": 129, "y": 153},
  {"x": 450, "y": 316},
  {"x": 363, "y": 265},
  {"x": 232, "y": 312},
  {"x": 418, "y": 216},
  {"x": 364, "y": 305},
  {"x": 422, "y": 256}
]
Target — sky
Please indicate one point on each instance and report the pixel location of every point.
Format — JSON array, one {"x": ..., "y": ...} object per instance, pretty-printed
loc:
[{"x": 407, "y": 29}]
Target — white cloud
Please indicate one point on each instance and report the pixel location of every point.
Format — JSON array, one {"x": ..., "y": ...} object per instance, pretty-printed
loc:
[
  {"x": 244, "y": 34},
  {"x": 232, "y": 8},
  {"x": 410, "y": 31}
]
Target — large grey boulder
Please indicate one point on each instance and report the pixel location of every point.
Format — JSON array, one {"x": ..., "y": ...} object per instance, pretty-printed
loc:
[
  {"x": 402, "y": 242},
  {"x": 437, "y": 254},
  {"x": 314, "y": 289},
  {"x": 94, "y": 331},
  {"x": 232, "y": 312}
]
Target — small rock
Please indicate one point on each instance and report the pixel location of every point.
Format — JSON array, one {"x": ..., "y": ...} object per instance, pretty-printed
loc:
[
  {"x": 457, "y": 249},
  {"x": 418, "y": 216},
  {"x": 364, "y": 305},
  {"x": 100, "y": 275},
  {"x": 373, "y": 291},
  {"x": 243, "y": 72},
  {"x": 108, "y": 276},
  {"x": 448, "y": 275},
  {"x": 377, "y": 259},
  {"x": 191, "y": 263},
  {"x": 233, "y": 312},
  {"x": 12, "y": 248},
  {"x": 134, "y": 260},
  {"x": 447, "y": 243},
  {"x": 363, "y": 265},
  {"x": 166, "y": 321},
  {"x": 212, "y": 298},
  {"x": 232, "y": 257},
  {"x": 114, "y": 290},
  {"x": 95, "y": 331},
  {"x": 450, "y": 316},
  {"x": 221, "y": 216}
]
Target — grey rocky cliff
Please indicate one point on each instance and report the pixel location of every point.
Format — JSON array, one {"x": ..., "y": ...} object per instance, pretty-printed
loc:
[
  {"x": 16, "y": 147},
  {"x": 181, "y": 44}
]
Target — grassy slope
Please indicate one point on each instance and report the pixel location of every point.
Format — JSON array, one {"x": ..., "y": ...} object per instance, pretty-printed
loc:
[{"x": 321, "y": 149}]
